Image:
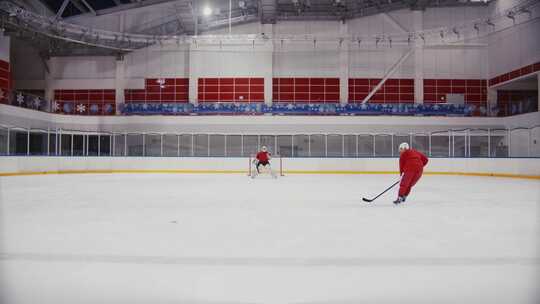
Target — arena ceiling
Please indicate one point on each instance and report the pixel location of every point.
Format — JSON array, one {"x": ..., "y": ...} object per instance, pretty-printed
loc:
[{"x": 187, "y": 17}]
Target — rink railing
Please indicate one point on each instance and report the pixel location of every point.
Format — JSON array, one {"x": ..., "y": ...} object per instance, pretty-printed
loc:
[{"x": 491, "y": 143}]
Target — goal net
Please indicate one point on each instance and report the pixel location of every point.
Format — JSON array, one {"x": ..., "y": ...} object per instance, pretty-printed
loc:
[{"x": 275, "y": 169}]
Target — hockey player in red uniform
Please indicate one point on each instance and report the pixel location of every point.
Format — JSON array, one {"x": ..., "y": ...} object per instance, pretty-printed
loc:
[
  {"x": 411, "y": 166},
  {"x": 262, "y": 159}
]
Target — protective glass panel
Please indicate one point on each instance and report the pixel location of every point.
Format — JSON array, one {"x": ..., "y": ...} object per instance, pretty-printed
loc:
[
  {"x": 478, "y": 143},
  {"x": 459, "y": 147},
  {"x": 65, "y": 144},
  {"x": 79, "y": 146},
  {"x": 349, "y": 145},
  {"x": 270, "y": 142},
  {"x": 365, "y": 145},
  {"x": 440, "y": 145},
  {"x": 519, "y": 143},
  {"x": 334, "y": 144},
  {"x": 318, "y": 145},
  {"x": 18, "y": 142},
  {"x": 170, "y": 145},
  {"x": 3, "y": 141},
  {"x": 119, "y": 145},
  {"x": 398, "y": 140},
  {"x": 420, "y": 142},
  {"x": 301, "y": 145},
  {"x": 284, "y": 147},
  {"x": 535, "y": 142},
  {"x": 38, "y": 143},
  {"x": 186, "y": 148},
  {"x": 200, "y": 144},
  {"x": 135, "y": 145},
  {"x": 104, "y": 145},
  {"x": 234, "y": 145},
  {"x": 251, "y": 144},
  {"x": 52, "y": 144},
  {"x": 93, "y": 147},
  {"x": 217, "y": 145},
  {"x": 152, "y": 145},
  {"x": 498, "y": 143},
  {"x": 383, "y": 145}
]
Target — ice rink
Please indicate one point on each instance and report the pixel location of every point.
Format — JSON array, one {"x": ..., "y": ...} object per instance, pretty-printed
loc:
[{"x": 179, "y": 238}]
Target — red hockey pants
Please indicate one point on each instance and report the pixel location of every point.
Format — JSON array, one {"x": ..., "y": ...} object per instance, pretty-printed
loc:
[{"x": 409, "y": 179}]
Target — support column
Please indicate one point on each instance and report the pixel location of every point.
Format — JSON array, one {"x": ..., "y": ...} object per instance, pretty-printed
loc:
[
  {"x": 344, "y": 65},
  {"x": 49, "y": 84},
  {"x": 538, "y": 79},
  {"x": 193, "y": 76},
  {"x": 418, "y": 25},
  {"x": 268, "y": 30},
  {"x": 120, "y": 83},
  {"x": 491, "y": 101}
]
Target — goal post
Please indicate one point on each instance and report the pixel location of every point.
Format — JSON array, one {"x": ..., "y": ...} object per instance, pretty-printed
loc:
[{"x": 276, "y": 162}]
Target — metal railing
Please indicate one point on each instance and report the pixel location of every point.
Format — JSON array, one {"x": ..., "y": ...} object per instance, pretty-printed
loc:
[{"x": 518, "y": 142}]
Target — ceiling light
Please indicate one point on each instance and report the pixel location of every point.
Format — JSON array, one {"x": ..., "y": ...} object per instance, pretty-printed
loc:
[{"x": 207, "y": 11}]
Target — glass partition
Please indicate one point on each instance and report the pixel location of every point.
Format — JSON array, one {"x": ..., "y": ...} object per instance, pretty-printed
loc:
[
  {"x": 440, "y": 144},
  {"x": 152, "y": 145},
  {"x": 3, "y": 141},
  {"x": 119, "y": 145},
  {"x": 365, "y": 145},
  {"x": 186, "y": 145},
  {"x": 459, "y": 144},
  {"x": 18, "y": 142},
  {"x": 284, "y": 145},
  {"x": 334, "y": 145},
  {"x": 234, "y": 146},
  {"x": 217, "y": 145},
  {"x": 301, "y": 145},
  {"x": 317, "y": 145},
  {"x": 93, "y": 145},
  {"x": 135, "y": 145},
  {"x": 478, "y": 143},
  {"x": 383, "y": 145},
  {"x": 170, "y": 145},
  {"x": 38, "y": 144},
  {"x": 201, "y": 145},
  {"x": 105, "y": 145},
  {"x": 498, "y": 143},
  {"x": 349, "y": 145},
  {"x": 518, "y": 142}
]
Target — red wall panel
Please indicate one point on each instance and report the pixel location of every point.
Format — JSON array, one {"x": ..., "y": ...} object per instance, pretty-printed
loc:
[
  {"x": 394, "y": 90},
  {"x": 304, "y": 89},
  {"x": 474, "y": 90},
  {"x": 164, "y": 90},
  {"x": 5, "y": 80},
  {"x": 242, "y": 89}
]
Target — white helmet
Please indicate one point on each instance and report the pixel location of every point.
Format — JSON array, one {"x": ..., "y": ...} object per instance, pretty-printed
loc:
[
  {"x": 263, "y": 148},
  {"x": 404, "y": 146}
]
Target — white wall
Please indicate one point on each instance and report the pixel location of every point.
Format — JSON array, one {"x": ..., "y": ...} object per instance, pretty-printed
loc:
[
  {"x": 529, "y": 167},
  {"x": 516, "y": 46}
]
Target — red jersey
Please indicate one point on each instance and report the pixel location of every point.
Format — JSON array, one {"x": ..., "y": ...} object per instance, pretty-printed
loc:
[
  {"x": 263, "y": 156},
  {"x": 411, "y": 160}
]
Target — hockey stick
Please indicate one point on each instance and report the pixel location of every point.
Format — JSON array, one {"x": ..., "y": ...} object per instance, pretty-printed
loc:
[{"x": 371, "y": 200}]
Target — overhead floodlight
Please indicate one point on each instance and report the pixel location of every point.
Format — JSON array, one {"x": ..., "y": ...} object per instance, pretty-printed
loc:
[{"x": 207, "y": 11}]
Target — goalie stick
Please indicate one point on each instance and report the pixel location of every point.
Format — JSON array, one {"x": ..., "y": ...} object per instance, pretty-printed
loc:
[{"x": 371, "y": 200}]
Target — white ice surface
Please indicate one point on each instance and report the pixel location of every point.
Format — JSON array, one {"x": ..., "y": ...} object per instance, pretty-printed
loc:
[{"x": 174, "y": 238}]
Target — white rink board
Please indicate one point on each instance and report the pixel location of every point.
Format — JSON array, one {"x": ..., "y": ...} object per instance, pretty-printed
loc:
[{"x": 514, "y": 166}]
